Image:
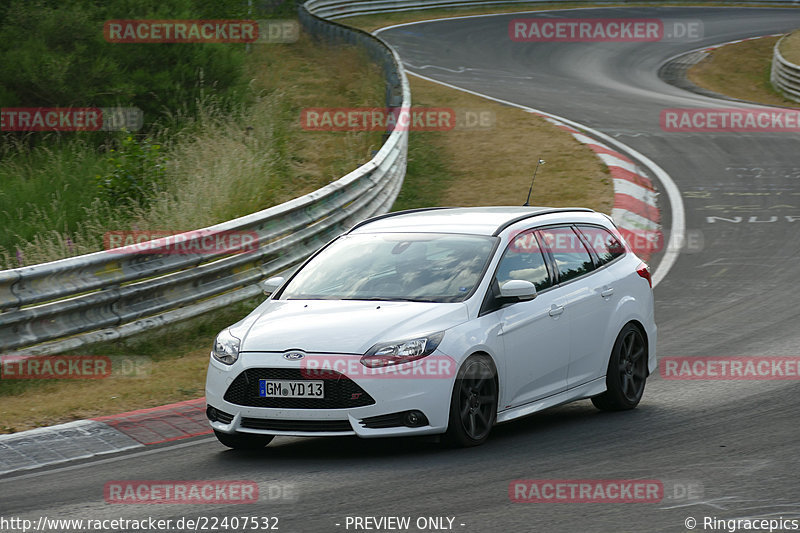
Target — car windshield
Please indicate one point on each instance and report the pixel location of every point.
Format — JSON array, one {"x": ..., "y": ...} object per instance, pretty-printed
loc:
[{"x": 423, "y": 267}]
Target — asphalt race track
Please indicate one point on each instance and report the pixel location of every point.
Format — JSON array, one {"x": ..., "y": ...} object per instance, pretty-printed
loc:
[{"x": 724, "y": 449}]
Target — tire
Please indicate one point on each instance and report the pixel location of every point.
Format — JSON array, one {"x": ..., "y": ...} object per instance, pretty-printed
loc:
[
  {"x": 627, "y": 372},
  {"x": 242, "y": 441},
  {"x": 473, "y": 404}
]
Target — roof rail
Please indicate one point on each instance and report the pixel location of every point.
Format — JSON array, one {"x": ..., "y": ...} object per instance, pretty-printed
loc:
[{"x": 537, "y": 213}]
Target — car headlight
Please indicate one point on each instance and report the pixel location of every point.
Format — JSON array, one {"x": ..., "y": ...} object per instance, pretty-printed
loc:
[
  {"x": 395, "y": 353},
  {"x": 226, "y": 348}
]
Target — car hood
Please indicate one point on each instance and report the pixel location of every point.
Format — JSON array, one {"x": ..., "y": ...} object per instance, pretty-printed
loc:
[{"x": 336, "y": 326}]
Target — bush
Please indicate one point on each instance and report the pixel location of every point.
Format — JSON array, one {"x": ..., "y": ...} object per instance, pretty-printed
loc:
[
  {"x": 53, "y": 54},
  {"x": 138, "y": 173}
]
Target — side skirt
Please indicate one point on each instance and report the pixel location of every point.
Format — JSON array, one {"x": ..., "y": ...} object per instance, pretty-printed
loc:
[{"x": 587, "y": 390}]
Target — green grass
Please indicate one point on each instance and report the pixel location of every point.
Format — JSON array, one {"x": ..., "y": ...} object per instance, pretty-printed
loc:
[
  {"x": 427, "y": 174},
  {"x": 790, "y": 48},
  {"x": 493, "y": 165},
  {"x": 741, "y": 70}
]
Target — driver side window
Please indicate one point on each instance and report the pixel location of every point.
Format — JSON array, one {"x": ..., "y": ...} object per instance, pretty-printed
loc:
[{"x": 523, "y": 259}]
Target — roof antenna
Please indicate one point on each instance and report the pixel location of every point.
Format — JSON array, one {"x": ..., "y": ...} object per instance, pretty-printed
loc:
[{"x": 527, "y": 202}]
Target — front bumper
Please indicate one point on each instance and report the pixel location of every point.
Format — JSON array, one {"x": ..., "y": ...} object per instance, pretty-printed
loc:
[{"x": 394, "y": 390}]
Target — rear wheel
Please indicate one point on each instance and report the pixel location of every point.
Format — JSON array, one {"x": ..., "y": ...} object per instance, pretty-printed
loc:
[
  {"x": 473, "y": 404},
  {"x": 627, "y": 372},
  {"x": 242, "y": 441}
]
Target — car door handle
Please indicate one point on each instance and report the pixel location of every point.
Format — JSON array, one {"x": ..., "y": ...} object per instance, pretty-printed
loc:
[
  {"x": 556, "y": 310},
  {"x": 608, "y": 291}
]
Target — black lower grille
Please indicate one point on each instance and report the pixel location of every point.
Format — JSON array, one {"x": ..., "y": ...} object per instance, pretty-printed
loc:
[
  {"x": 340, "y": 391},
  {"x": 411, "y": 419},
  {"x": 296, "y": 425},
  {"x": 215, "y": 415},
  {"x": 384, "y": 421}
]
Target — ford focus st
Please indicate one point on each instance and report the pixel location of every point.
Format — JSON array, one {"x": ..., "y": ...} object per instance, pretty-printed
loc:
[{"x": 439, "y": 321}]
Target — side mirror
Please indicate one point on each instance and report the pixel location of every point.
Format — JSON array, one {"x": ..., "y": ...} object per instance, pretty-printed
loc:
[
  {"x": 517, "y": 288},
  {"x": 271, "y": 285}
]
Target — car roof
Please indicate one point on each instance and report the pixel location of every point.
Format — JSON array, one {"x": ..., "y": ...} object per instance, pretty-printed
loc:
[{"x": 489, "y": 220}]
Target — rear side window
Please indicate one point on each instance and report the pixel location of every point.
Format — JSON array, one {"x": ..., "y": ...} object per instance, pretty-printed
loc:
[
  {"x": 523, "y": 259},
  {"x": 571, "y": 256},
  {"x": 603, "y": 242}
]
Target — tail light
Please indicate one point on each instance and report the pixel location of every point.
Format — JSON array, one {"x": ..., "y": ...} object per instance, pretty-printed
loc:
[{"x": 644, "y": 271}]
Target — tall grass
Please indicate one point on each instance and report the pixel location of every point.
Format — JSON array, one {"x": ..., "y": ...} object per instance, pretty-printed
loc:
[
  {"x": 220, "y": 164},
  {"x": 44, "y": 189}
]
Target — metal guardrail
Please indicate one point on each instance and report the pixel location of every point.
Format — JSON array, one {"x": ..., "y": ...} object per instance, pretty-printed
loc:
[
  {"x": 336, "y": 9},
  {"x": 785, "y": 75},
  {"x": 65, "y": 304}
]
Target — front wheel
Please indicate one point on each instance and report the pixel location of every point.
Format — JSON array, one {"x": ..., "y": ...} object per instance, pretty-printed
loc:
[
  {"x": 473, "y": 405},
  {"x": 243, "y": 441},
  {"x": 627, "y": 372}
]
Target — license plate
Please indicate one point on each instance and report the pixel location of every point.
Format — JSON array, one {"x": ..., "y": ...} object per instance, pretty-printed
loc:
[{"x": 281, "y": 388}]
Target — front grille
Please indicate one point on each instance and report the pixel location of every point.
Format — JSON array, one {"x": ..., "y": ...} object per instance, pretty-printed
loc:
[
  {"x": 340, "y": 391},
  {"x": 296, "y": 425}
]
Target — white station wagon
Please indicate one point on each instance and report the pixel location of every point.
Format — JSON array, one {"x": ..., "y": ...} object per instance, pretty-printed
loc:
[{"x": 439, "y": 321}]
